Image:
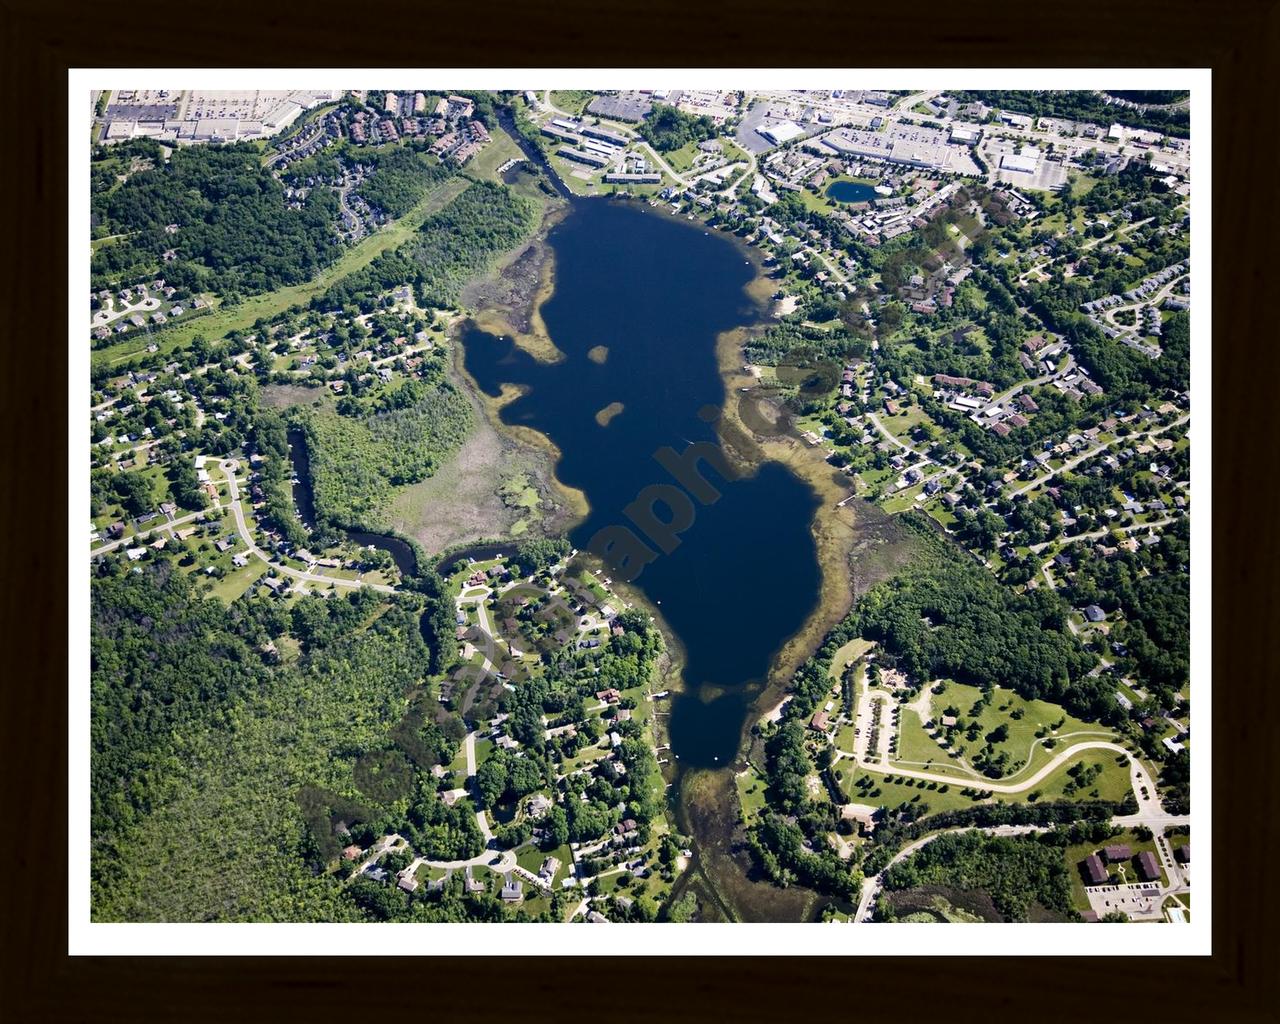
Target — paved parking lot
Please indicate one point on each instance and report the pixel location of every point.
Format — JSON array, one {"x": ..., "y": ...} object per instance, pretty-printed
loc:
[{"x": 1140, "y": 901}]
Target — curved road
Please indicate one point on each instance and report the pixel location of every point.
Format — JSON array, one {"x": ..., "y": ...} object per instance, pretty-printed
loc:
[
  {"x": 228, "y": 467},
  {"x": 1099, "y": 534},
  {"x": 1047, "y": 769},
  {"x": 1150, "y": 814}
]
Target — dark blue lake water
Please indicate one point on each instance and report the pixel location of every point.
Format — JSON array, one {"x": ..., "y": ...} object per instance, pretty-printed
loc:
[
  {"x": 655, "y": 293},
  {"x": 851, "y": 192}
]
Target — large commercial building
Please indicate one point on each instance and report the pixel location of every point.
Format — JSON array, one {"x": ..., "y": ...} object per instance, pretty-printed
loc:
[
  {"x": 1025, "y": 160},
  {"x": 196, "y": 116},
  {"x": 781, "y": 133},
  {"x": 915, "y": 147}
]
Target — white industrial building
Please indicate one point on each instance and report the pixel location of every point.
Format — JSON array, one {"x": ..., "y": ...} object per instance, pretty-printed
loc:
[
  {"x": 782, "y": 132},
  {"x": 1025, "y": 160}
]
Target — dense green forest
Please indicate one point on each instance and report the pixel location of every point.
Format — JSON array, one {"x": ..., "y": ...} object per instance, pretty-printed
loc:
[
  {"x": 463, "y": 239},
  {"x": 1151, "y": 588},
  {"x": 218, "y": 769},
  {"x": 270, "y": 438},
  {"x": 235, "y": 233},
  {"x": 896, "y": 832},
  {"x": 454, "y": 245},
  {"x": 1156, "y": 97},
  {"x": 666, "y": 128},
  {"x": 359, "y": 455},
  {"x": 1079, "y": 105},
  {"x": 1017, "y": 872},
  {"x": 794, "y": 344},
  {"x": 945, "y": 616},
  {"x": 401, "y": 177},
  {"x": 201, "y": 741}
]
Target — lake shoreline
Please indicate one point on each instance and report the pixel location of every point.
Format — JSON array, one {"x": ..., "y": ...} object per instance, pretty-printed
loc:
[{"x": 703, "y": 801}]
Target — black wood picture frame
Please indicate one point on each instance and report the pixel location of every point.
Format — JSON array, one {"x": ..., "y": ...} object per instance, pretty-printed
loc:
[{"x": 1236, "y": 38}]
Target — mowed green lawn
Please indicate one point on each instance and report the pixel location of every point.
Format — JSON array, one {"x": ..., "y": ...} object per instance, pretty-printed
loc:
[
  {"x": 905, "y": 422},
  {"x": 751, "y": 789},
  {"x": 242, "y": 316},
  {"x": 865, "y": 787},
  {"x": 530, "y": 858},
  {"x": 861, "y": 786},
  {"x": 571, "y": 101},
  {"x": 682, "y": 159},
  {"x": 1023, "y": 719},
  {"x": 1112, "y": 783}
]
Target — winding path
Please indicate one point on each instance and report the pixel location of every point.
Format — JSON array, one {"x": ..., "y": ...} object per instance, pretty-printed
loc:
[{"x": 1045, "y": 770}]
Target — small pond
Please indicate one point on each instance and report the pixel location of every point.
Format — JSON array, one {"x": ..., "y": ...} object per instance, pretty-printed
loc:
[{"x": 851, "y": 192}]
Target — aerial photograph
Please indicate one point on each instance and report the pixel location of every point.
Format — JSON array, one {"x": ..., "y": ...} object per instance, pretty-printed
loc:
[{"x": 637, "y": 505}]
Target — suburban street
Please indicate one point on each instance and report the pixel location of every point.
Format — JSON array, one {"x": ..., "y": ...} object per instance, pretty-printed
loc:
[
  {"x": 229, "y": 467},
  {"x": 1073, "y": 462},
  {"x": 1099, "y": 534}
]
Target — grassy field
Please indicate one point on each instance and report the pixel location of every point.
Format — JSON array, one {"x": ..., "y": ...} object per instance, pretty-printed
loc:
[
  {"x": 501, "y": 149},
  {"x": 942, "y": 514},
  {"x": 530, "y": 858},
  {"x": 565, "y": 169},
  {"x": 907, "y": 420},
  {"x": 683, "y": 159},
  {"x": 847, "y": 655},
  {"x": 242, "y": 316},
  {"x": 1112, "y": 784},
  {"x": 918, "y": 749},
  {"x": 902, "y": 500},
  {"x": 1022, "y": 718},
  {"x": 571, "y": 101},
  {"x": 237, "y": 581},
  {"x": 751, "y": 786},
  {"x": 872, "y": 788}
]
